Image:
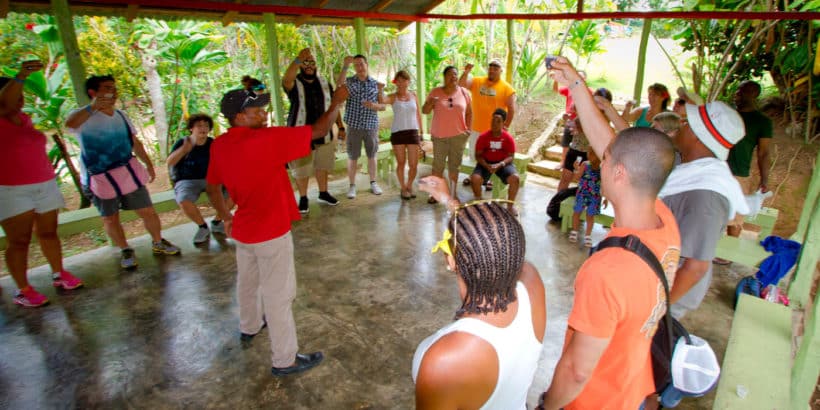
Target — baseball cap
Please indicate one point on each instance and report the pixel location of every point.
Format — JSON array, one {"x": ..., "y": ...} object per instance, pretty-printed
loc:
[
  {"x": 695, "y": 369},
  {"x": 717, "y": 126},
  {"x": 496, "y": 62},
  {"x": 234, "y": 101}
]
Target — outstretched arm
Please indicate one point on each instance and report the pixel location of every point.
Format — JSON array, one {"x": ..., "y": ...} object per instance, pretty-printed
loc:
[
  {"x": 595, "y": 126},
  {"x": 322, "y": 125},
  {"x": 289, "y": 78}
]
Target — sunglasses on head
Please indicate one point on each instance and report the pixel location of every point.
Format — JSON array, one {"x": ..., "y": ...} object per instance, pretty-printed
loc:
[
  {"x": 444, "y": 244},
  {"x": 450, "y": 100}
]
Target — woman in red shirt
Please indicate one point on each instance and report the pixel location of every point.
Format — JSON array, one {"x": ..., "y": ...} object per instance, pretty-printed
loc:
[{"x": 29, "y": 195}]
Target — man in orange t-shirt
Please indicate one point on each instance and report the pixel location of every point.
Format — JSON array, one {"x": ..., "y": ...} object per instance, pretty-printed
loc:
[{"x": 619, "y": 301}]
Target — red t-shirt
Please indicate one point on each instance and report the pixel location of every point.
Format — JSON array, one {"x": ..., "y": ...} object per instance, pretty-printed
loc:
[
  {"x": 250, "y": 163},
  {"x": 618, "y": 296},
  {"x": 565, "y": 92},
  {"x": 495, "y": 149},
  {"x": 23, "y": 158}
]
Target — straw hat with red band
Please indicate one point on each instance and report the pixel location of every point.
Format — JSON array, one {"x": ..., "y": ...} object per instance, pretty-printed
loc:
[{"x": 717, "y": 126}]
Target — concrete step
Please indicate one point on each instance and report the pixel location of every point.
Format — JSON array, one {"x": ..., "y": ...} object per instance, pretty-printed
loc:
[
  {"x": 546, "y": 168},
  {"x": 553, "y": 153}
]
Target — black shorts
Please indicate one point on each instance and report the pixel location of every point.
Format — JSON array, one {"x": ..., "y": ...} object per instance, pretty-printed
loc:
[
  {"x": 572, "y": 155},
  {"x": 566, "y": 138},
  {"x": 405, "y": 137},
  {"x": 503, "y": 173}
]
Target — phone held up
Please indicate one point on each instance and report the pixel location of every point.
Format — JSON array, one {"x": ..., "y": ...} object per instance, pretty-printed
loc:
[{"x": 548, "y": 61}]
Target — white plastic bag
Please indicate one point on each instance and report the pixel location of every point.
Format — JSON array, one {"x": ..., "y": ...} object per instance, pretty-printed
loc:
[{"x": 755, "y": 201}]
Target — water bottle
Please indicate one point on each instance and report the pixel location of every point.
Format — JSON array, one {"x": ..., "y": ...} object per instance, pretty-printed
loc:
[{"x": 771, "y": 293}]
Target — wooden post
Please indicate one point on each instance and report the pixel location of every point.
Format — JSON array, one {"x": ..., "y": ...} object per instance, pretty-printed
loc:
[
  {"x": 807, "y": 362},
  {"x": 273, "y": 66},
  {"x": 647, "y": 27},
  {"x": 76, "y": 69},
  {"x": 421, "y": 91},
  {"x": 510, "y": 50},
  {"x": 361, "y": 33}
]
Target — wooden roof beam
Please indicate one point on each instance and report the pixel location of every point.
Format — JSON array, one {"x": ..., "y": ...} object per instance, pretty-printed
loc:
[
  {"x": 302, "y": 19},
  {"x": 4, "y": 8},
  {"x": 381, "y": 5},
  {"x": 230, "y": 15},
  {"x": 131, "y": 12}
]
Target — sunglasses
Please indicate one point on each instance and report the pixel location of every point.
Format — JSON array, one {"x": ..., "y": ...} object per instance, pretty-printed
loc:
[
  {"x": 309, "y": 63},
  {"x": 444, "y": 244},
  {"x": 450, "y": 100}
]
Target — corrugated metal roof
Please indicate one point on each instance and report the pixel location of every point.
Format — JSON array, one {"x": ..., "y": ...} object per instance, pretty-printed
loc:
[{"x": 384, "y": 13}]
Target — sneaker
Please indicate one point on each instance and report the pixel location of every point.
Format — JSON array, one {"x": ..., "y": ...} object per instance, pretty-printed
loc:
[
  {"x": 217, "y": 227},
  {"x": 588, "y": 241},
  {"x": 303, "y": 362},
  {"x": 128, "y": 260},
  {"x": 164, "y": 247},
  {"x": 303, "y": 205},
  {"x": 488, "y": 186},
  {"x": 30, "y": 298},
  {"x": 466, "y": 182},
  {"x": 351, "y": 192},
  {"x": 328, "y": 199},
  {"x": 201, "y": 235},
  {"x": 375, "y": 189},
  {"x": 573, "y": 236},
  {"x": 66, "y": 281}
]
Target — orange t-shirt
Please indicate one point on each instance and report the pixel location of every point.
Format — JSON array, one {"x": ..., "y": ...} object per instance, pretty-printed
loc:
[
  {"x": 619, "y": 297},
  {"x": 486, "y": 99}
]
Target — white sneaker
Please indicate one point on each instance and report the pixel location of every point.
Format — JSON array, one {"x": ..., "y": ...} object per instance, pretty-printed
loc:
[
  {"x": 375, "y": 189},
  {"x": 351, "y": 192}
]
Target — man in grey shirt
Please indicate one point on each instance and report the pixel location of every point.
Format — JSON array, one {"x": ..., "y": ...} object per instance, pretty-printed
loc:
[{"x": 703, "y": 195}]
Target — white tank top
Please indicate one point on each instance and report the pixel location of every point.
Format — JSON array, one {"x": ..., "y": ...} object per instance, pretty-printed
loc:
[
  {"x": 516, "y": 346},
  {"x": 404, "y": 115}
]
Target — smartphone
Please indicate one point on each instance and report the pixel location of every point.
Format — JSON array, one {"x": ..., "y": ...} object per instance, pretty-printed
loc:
[{"x": 548, "y": 61}]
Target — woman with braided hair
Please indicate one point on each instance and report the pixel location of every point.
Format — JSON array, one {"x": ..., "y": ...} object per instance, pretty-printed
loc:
[{"x": 486, "y": 358}]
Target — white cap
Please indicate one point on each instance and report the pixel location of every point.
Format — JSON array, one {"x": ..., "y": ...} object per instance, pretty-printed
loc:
[
  {"x": 695, "y": 368},
  {"x": 716, "y": 125}
]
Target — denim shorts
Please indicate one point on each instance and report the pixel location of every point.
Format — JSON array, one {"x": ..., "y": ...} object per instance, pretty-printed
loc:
[{"x": 41, "y": 197}]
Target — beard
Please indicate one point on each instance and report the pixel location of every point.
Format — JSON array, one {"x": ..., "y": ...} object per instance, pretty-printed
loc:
[{"x": 309, "y": 77}]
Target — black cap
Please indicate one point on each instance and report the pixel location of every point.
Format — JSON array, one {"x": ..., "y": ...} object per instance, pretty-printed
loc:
[
  {"x": 235, "y": 101},
  {"x": 501, "y": 112}
]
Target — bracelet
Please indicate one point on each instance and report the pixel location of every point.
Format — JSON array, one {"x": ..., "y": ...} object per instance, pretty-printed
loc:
[
  {"x": 297, "y": 61},
  {"x": 574, "y": 84},
  {"x": 89, "y": 109},
  {"x": 19, "y": 81}
]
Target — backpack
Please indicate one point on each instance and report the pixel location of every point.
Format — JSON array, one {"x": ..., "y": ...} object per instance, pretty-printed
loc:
[{"x": 671, "y": 368}]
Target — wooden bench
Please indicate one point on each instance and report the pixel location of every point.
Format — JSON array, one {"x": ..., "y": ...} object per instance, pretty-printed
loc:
[
  {"x": 605, "y": 218},
  {"x": 758, "y": 359},
  {"x": 500, "y": 189}
]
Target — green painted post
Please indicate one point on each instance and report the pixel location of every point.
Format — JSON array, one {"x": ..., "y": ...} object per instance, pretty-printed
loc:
[
  {"x": 76, "y": 69},
  {"x": 273, "y": 65},
  {"x": 807, "y": 362},
  {"x": 511, "y": 48},
  {"x": 647, "y": 27},
  {"x": 361, "y": 33},
  {"x": 421, "y": 92},
  {"x": 808, "y": 232}
]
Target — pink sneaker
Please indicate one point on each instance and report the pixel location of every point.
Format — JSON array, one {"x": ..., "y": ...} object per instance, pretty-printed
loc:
[
  {"x": 30, "y": 298},
  {"x": 66, "y": 281}
]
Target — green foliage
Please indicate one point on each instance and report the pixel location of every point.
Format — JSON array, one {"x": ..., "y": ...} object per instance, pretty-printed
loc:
[
  {"x": 585, "y": 40},
  {"x": 527, "y": 71}
]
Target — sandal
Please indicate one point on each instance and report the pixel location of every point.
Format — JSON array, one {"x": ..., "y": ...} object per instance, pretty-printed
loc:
[
  {"x": 488, "y": 186},
  {"x": 405, "y": 194},
  {"x": 588, "y": 241},
  {"x": 573, "y": 236}
]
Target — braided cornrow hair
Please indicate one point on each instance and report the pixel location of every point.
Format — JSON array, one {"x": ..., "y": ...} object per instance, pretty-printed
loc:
[{"x": 489, "y": 253}]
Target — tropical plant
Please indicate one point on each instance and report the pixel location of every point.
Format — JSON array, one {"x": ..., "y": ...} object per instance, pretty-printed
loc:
[{"x": 585, "y": 40}]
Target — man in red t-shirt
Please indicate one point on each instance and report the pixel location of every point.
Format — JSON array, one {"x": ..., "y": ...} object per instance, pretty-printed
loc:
[
  {"x": 619, "y": 300},
  {"x": 494, "y": 154},
  {"x": 249, "y": 160}
]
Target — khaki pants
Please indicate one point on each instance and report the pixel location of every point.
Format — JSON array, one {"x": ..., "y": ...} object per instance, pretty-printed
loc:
[{"x": 266, "y": 287}]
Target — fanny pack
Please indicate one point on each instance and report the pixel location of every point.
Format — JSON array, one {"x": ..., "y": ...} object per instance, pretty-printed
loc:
[{"x": 119, "y": 181}]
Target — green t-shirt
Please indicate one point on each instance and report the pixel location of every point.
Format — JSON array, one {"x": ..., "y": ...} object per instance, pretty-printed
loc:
[{"x": 758, "y": 126}]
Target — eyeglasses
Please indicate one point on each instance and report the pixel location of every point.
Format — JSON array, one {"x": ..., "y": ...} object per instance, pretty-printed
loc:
[
  {"x": 450, "y": 100},
  {"x": 444, "y": 244},
  {"x": 309, "y": 63}
]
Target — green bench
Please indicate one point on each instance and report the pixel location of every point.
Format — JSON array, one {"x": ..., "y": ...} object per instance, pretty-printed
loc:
[
  {"x": 500, "y": 189},
  {"x": 385, "y": 160},
  {"x": 745, "y": 251},
  {"x": 605, "y": 218}
]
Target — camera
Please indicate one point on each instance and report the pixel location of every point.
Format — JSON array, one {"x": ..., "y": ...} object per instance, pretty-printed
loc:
[{"x": 548, "y": 61}]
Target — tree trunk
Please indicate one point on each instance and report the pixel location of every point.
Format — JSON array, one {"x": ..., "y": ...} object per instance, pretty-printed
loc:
[
  {"x": 647, "y": 28},
  {"x": 75, "y": 176},
  {"x": 149, "y": 66}
]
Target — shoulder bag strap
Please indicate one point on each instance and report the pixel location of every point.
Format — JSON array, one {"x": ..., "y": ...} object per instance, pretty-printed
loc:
[{"x": 633, "y": 244}]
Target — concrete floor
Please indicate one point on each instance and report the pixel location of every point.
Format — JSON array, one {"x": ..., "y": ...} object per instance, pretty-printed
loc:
[{"x": 166, "y": 335}]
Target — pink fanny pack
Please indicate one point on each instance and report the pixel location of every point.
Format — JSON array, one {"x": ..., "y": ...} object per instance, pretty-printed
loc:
[{"x": 119, "y": 181}]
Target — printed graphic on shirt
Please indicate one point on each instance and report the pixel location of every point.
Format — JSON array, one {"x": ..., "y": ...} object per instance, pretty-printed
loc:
[
  {"x": 495, "y": 144},
  {"x": 670, "y": 266},
  {"x": 484, "y": 90}
]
